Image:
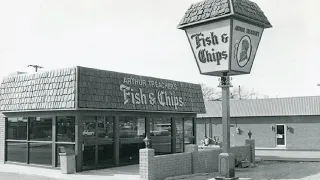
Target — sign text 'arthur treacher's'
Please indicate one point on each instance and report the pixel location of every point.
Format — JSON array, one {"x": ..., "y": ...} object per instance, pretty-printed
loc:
[{"x": 164, "y": 97}]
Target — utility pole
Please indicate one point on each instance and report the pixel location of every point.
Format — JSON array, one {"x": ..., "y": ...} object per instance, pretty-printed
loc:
[{"x": 36, "y": 67}]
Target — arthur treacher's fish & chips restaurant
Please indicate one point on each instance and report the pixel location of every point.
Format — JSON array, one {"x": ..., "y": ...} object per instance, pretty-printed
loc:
[{"x": 102, "y": 115}]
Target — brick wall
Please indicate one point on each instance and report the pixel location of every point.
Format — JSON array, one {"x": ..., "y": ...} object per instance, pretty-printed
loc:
[
  {"x": 206, "y": 160},
  {"x": 242, "y": 151},
  {"x": 303, "y": 132},
  {"x": 172, "y": 165},
  {"x": 262, "y": 133},
  {"x": 303, "y": 136},
  {"x": 2, "y": 138},
  {"x": 202, "y": 161}
]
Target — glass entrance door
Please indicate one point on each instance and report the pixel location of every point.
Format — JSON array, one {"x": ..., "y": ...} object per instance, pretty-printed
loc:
[
  {"x": 98, "y": 142},
  {"x": 105, "y": 142},
  {"x": 89, "y": 141},
  {"x": 281, "y": 135}
]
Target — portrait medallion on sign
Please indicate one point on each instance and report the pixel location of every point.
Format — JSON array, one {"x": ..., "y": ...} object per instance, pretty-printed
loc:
[{"x": 242, "y": 51}]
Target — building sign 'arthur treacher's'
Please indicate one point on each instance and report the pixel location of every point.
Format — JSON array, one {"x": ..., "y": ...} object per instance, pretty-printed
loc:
[
  {"x": 139, "y": 96},
  {"x": 99, "y": 89},
  {"x": 223, "y": 46}
]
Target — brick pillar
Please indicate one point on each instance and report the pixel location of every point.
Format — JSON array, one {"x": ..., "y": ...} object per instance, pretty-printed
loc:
[
  {"x": 191, "y": 148},
  {"x": 147, "y": 169},
  {"x": 251, "y": 142},
  {"x": 2, "y": 138}
]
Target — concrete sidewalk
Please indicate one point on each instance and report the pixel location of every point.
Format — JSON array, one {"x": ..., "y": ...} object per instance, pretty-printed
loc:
[
  {"x": 286, "y": 155},
  {"x": 124, "y": 173}
]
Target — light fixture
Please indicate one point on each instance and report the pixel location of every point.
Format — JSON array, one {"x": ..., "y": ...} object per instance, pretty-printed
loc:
[{"x": 238, "y": 130}]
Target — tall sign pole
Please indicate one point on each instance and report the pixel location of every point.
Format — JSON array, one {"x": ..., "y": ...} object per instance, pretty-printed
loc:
[
  {"x": 224, "y": 36},
  {"x": 226, "y": 162}
]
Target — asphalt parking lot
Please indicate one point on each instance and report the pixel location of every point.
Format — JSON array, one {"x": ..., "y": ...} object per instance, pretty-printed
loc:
[{"x": 269, "y": 170}]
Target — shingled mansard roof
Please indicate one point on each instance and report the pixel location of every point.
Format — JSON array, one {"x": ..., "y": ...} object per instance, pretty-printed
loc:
[
  {"x": 44, "y": 90},
  {"x": 212, "y": 9},
  {"x": 81, "y": 88},
  {"x": 293, "y": 106}
]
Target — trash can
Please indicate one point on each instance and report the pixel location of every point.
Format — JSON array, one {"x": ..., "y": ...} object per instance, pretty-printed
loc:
[{"x": 67, "y": 160}]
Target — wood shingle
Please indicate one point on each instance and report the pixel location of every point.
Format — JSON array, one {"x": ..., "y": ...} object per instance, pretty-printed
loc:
[
  {"x": 210, "y": 9},
  {"x": 38, "y": 91}
]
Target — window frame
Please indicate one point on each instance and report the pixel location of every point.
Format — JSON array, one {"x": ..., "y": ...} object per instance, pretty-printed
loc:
[{"x": 27, "y": 141}]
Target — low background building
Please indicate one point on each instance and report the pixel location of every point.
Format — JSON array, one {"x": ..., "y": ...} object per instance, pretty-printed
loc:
[
  {"x": 278, "y": 125},
  {"x": 102, "y": 115}
]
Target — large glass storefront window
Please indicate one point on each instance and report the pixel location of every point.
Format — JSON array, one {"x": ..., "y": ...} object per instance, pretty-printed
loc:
[
  {"x": 16, "y": 152},
  {"x": 17, "y": 128},
  {"x": 61, "y": 148},
  {"x": 65, "y": 126},
  {"x": 132, "y": 133},
  {"x": 40, "y": 129},
  {"x": 179, "y": 135},
  {"x": 188, "y": 131},
  {"x": 160, "y": 131},
  {"x": 66, "y": 129},
  {"x": 40, "y": 153},
  {"x": 29, "y": 139}
]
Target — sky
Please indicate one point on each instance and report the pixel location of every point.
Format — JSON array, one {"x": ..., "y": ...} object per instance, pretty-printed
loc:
[{"x": 140, "y": 37}]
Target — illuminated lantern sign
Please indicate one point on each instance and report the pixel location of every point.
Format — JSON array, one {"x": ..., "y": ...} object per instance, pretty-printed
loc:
[{"x": 224, "y": 35}]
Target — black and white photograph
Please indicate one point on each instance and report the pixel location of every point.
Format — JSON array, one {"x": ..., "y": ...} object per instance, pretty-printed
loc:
[{"x": 159, "y": 90}]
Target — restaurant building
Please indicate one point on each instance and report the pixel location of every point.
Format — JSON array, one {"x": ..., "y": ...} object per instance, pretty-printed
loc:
[
  {"x": 102, "y": 115},
  {"x": 277, "y": 124}
]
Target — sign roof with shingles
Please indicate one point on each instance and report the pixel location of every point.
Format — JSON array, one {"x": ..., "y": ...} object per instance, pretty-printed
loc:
[{"x": 207, "y": 10}]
